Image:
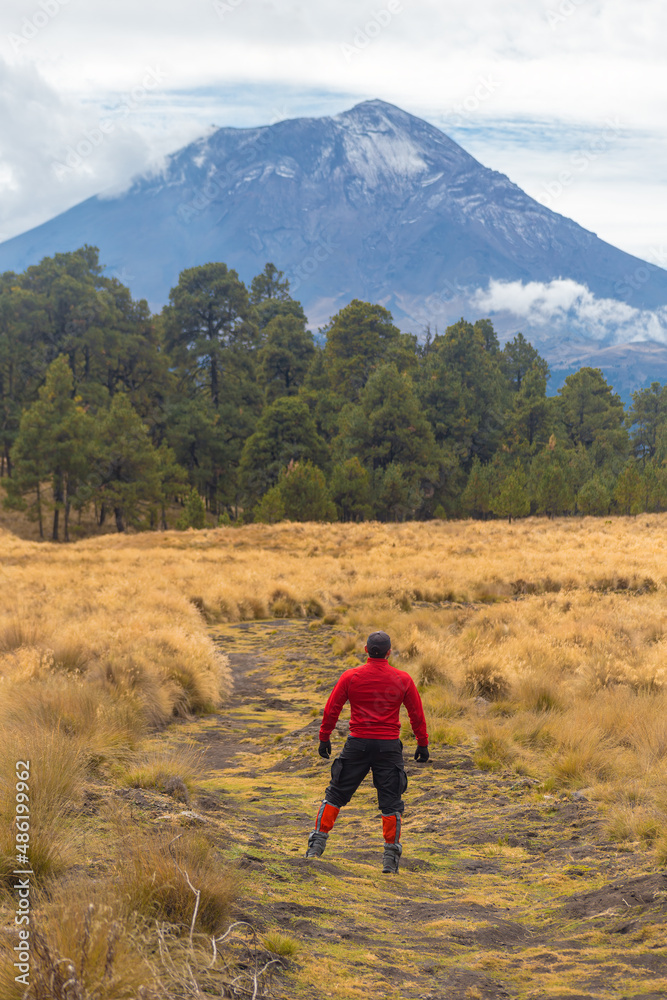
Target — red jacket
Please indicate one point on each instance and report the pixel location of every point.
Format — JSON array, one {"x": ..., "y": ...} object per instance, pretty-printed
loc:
[{"x": 376, "y": 691}]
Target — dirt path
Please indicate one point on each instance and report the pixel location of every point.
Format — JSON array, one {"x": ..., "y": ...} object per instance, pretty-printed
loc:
[{"x": 503, "y": 891}]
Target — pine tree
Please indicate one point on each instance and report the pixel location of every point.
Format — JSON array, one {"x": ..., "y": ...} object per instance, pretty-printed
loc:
[
  {"x": 593, "y": 498},
  {"x": 53, "y": 442},
  {"x": 304, "y": 493},
  {"x": 476, "y": 497},
  {"x": 285, "y": 433},
  {"x": 194, "y": 512},
  {"x": 351, "y": 490},
  {"x": 271, "y": 507},
  {"x": 387, "y": 429},
  {"x": 127, "y": 464},
  {"x": 628, "y": 493},
  {"x": 512, "y": 500}
]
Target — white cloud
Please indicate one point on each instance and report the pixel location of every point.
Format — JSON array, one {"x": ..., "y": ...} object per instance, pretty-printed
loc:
[{"x": 566, "y": 305}]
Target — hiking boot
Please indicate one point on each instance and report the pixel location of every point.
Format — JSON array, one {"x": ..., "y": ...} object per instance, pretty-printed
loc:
[
  {"x": 317, "y": 841},
  {"x": 390, "y": 859}
]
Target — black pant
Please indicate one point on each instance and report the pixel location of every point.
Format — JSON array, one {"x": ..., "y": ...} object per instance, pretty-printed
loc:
[{"x": 384, "y": 758}]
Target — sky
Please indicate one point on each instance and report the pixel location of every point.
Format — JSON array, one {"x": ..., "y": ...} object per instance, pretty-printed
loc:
[{"x": 566, "y": 97}]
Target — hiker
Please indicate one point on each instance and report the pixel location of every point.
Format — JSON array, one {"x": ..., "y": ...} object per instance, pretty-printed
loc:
[{"x": 376, "y": 691}]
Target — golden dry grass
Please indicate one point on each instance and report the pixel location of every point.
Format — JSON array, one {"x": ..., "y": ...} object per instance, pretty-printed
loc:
[
  {"x": 543, "y": 642},
  {"x": 560, "y": 625}
]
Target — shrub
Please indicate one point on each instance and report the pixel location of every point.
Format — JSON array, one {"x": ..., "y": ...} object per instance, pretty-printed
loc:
[
  {"x": 271, "y": 507},
  {"x": 194, "y": 512},
  {"x": 593, "y": 498},
  {"x": 304, "y": 493}
]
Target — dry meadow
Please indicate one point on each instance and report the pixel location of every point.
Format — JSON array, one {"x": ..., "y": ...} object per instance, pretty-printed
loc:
[{"x": 540, "y": 645}]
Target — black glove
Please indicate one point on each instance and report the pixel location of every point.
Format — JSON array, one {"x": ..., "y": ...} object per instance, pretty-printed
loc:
[
  {"x": 324, "y": 749},
  {"x": 421, "y": 754}
]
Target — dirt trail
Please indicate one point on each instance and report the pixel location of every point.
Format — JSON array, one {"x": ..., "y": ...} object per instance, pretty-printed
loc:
[{"x": 503, "y": 891}]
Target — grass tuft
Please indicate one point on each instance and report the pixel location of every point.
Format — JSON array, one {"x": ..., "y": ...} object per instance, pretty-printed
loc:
[
  {"x": 280, "y": 944},
  {"x": 152, "y": 877}
]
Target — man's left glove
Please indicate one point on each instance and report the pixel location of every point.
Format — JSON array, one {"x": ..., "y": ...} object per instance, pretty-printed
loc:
[
  {"x": 324, "y": 749},
  {"x": 421, "y": 754}
]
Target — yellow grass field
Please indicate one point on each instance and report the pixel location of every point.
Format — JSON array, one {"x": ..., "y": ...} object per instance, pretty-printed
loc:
[{"x": 541, "y": 645}]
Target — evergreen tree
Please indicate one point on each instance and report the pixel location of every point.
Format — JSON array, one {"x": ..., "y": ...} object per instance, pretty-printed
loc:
[
  {"x": 592, "y": 415},
  {"x": 285, "y": 356},
  {"x": 464, "y": 391},
  {"x": 388, "y": 428},
  {"x": 531, "y": 420},
  {"x": 285, "y": 433},
  {"x": 209, "y": 329},
  {"x": 271, "y": 508},
  {"x": 512, "y": 499},
  {"x": 213, "y": 341},
  {"x": 647, "y": 417},
  {"x": 551, "y": 485},
  {"x": 654, "y": 487},
  {"x": 593, "y": 498},
  {"x": 476, "y": 497},
  {"x": 53, "y": 442},
  {"x": 270, "y": 297},
  {"x": 194, "y": 512},
  {"x": 128, "y": 465},
  {"x": 350, "y": 489},
  {"x": 359, "y": 338},
  {"x": 173, "y": 480},
  {"x": 303, "y": 491},
  {"x": 628, "y": 494},
  {"x": 396, "y": 494},
  {"x": 518, "y": 357}
]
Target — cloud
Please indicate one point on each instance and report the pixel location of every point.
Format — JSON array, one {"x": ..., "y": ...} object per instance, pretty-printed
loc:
[
  {"x": 566, "y": 305},
  {"x": 55, "y": 151}
]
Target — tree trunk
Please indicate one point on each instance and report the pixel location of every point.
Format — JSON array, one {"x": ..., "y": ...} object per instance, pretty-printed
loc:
[
  {"x": 163, "y": 511},
  {"x": 39, "y": 513},
  {"x": 215, "y": 389},
  {"x": 103, "y": 515},
  {"x": 120, "y": 525},
  {"x": 66, "y": 520},
  {"x": 57, "y": 504}
]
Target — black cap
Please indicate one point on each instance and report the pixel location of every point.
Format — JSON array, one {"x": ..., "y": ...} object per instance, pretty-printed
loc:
[{"x": 378, "y": 644}]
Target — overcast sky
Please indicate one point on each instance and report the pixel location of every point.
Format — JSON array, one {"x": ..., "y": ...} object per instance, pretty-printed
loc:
[{"x": 567, "y": 97}]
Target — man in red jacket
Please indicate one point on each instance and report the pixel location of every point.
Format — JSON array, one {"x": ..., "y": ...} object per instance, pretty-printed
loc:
[{"x": 376, "y": 691}]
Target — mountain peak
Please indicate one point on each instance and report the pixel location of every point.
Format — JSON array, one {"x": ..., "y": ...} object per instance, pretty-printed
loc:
[{"x": 372, "y": 203}]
